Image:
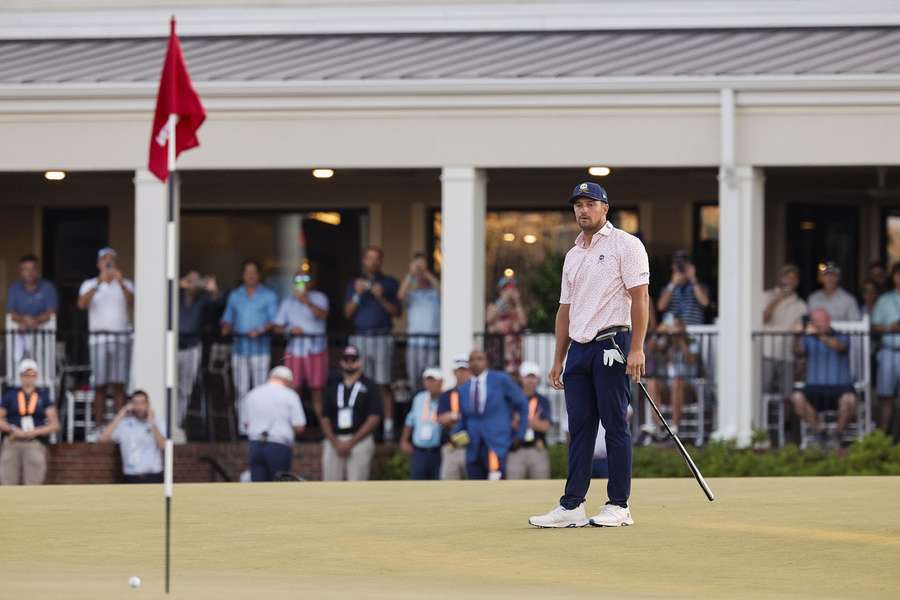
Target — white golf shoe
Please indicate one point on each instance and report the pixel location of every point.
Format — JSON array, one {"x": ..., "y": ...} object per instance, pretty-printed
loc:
[
  {"x": 612, "y": 515},
  {"x": 560, "y": 517}
]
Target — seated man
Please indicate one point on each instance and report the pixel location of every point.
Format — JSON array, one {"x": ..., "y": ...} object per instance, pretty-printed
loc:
[
  {"x": 140, "y": 440},
  {"x": 829, "y": 385},
  {"x": 677, "y": 355}
]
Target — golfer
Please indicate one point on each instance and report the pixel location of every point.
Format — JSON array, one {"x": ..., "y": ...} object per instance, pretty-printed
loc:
[{"x": 603, "y": 292}]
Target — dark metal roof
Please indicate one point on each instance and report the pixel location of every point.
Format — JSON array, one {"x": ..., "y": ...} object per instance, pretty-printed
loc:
[{"x": 547, "y": 55}]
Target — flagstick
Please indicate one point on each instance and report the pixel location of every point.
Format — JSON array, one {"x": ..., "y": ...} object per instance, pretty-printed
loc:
[{"x": 171, "y": 290}]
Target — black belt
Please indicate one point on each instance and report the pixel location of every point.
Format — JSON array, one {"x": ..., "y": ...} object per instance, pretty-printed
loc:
[{"x": 615, "y": 329}]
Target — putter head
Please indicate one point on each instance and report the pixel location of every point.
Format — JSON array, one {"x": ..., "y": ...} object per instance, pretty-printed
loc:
[{"x": 606, "y": 336}]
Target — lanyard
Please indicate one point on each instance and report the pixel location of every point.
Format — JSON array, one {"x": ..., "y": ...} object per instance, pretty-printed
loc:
[
  {"x": 454, "y": 401},
  {"x": 532, "y": 407},
  {"x": 427, "y": 413},
  {"x": 354, "y": 391},
  {"x": 32, "y": 403}
]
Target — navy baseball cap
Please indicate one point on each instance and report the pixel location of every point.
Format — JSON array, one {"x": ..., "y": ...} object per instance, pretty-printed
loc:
[{"x": 590, "y": 190}]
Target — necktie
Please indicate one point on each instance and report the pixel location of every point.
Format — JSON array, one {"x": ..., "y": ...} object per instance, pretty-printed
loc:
[{"x": 477, "y": 398}]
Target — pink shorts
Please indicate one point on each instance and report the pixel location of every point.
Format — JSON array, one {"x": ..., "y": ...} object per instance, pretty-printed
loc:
[{"x": 311, "y": 369}]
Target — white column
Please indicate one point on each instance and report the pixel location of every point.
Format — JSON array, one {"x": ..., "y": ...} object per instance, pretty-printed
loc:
[
  {"x": 150, "y": 293},
  {"x": 741, "y": 238},
  {"x": 463, "y": 202}
]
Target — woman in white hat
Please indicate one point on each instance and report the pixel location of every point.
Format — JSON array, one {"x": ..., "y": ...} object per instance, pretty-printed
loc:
[{"x": 27, "y": 418}]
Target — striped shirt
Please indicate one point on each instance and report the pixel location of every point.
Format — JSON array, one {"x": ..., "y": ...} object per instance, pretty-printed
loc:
[
  {"x": 683, "y": 304},
  {"x": 824, "y": 365}
]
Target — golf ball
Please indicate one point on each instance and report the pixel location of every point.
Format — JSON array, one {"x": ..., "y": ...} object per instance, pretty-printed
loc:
[{"x": 134, "y": 582}]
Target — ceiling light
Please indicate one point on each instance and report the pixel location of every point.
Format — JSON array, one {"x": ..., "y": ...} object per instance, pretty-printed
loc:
[
  {"x": 323, "y": 173},
  {"x": 599, "y": 171},
  {"x": 331, "y": 218},
  {"x": 529, "y": 238},
  {"x": 509, "y": 237},
  {"x": 507, "y": 272},
  {"x": 54, "y": 175}
]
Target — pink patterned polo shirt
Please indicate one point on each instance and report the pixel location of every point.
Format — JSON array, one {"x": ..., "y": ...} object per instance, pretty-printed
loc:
[{"x": 596, "y": 280}]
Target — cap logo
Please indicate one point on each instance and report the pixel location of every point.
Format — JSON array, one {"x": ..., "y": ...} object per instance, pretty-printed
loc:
[{"x": 583, "y": 187}]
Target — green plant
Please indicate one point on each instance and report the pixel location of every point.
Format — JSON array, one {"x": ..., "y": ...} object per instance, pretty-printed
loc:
[
  {"x": 542, "y": 292},
  {"x": 395, "y": 467}
]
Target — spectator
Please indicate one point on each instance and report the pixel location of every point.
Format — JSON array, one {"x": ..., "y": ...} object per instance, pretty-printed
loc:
[
  {"x": 141, "y": 441},
  {"x": 27, "y": 417},
  {"x": 422, "y": 426},
  {"x": 870, "y": 295},
  {"x": 829, "y": 385},
  {"x": 886, "y": 321},
  {"x": 487, "y": 402},
  {"x": 195, "y": 295},
  {"x": 350, "y": 414},
  {"x": 684, "y": 296},
  {"x": 837, "y": 302},
  {"x": 530, "y": 460},
  {"x": 679, "y": 355},
  {"x": 877, "y": 273},
  {"x": 453, "y": 454},
  {"x": 272, "y": 416},
  {"x": 31, "y": 301},
  {"x": 249, "y": 314},
  {"x": 107, "y": 298},
  {"x": 421, "y": 293},
  {"x": 783, "y": 313},
  {"x": 506, "y": 316},
  {"x": 301, "y": 317},
  {"x": 372, "y": 305}
]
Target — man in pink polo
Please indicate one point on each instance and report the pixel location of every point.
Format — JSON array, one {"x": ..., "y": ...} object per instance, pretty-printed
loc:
[{"x": 604, "y": 291}]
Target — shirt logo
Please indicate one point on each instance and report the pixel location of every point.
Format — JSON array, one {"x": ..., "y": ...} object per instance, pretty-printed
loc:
[{"x": 601, "y": 257}]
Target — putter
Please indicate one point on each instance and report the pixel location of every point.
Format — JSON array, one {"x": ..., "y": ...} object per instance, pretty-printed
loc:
[{"x": 684, "y": 453}]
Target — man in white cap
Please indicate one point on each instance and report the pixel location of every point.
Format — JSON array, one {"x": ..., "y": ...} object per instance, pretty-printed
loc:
[
  {"x": 108, "y": 299},
  {"x": 27, "y": 417},
  {"x": 424, "y": 449},
  {"x": 272, "y": 414},
  {"x": 530, "y": 460},
  {"x": 453, "y": 454}
]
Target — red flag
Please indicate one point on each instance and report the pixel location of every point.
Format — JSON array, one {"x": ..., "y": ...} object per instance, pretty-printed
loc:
[{"x": 176, "y": 96}]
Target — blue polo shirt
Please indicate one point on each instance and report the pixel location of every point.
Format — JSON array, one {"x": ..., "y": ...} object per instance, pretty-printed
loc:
[
  {"x": 370, "y": 316},
  {"x": 422, "y": 418},
  {"x": 11, "y": 404},
  {"x": 824, "y": 365},
  {"x": 543, "y": 411},
  {"x": 40, "y": 300},
  {"x": 245, "y": 313},
  {"x": 190, "y": 319},
  {"x": 684, "y": 304}
]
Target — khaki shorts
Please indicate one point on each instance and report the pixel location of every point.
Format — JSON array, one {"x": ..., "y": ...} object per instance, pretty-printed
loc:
[{"x": 23, "y": 462}]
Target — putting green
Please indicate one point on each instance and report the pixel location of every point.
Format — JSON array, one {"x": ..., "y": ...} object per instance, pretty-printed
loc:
[{"x": 762, "y": 538}]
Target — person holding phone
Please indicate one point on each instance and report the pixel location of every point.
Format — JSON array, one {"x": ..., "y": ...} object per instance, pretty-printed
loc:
[
  {"x": 684, "y": 296},
  {"x": 140, "y": 438},
  {"x": 783, "y": 313},
  {"x": 108, "y": 298},
  {"x": 27, "y": 418},
  {"x": 301, "y": 318}
]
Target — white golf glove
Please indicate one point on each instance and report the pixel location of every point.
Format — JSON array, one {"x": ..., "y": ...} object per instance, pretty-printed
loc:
[{"x": 612, "y": 356}]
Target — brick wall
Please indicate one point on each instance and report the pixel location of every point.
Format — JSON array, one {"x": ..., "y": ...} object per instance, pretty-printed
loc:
[{"x": 100, "y": 463}]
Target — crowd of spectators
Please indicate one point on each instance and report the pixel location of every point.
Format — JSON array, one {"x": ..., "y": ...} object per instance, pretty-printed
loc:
[{"x": 448, "y": 434}]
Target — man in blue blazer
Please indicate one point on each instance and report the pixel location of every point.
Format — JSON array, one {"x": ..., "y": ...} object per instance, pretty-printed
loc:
[{"x": 487, "y": 403}]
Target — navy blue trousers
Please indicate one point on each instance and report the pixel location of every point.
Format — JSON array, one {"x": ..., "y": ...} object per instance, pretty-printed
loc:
[
  {"x": 267, "y": 459},
  {"x": 597, "y": 393},
  {"x": 425, "y": 464}
]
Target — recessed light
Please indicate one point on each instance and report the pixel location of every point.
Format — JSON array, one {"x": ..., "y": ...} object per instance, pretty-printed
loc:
[
  {"x": 529, "y": 238},
  {"x": 509, "y": 237},
  {"x": 323, "y": 173},
  {"x": 599, "y": 171},
  {"x": 507, "y": 272},
  {"x": 54, "y": 175}
]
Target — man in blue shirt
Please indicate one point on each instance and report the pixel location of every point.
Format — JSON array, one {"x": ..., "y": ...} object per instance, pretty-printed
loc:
[
  {"x": 829, "y": 384},
  {"x": 248, "y": 316},
  {"x": 423, "y": 427},
  {"x": 886, "y": 321},
  {"x": 684, "y": 296},
  {"x": 530, "y": 460},
  {"x": 30, "y": 303},
  {"x": 453, "y": 454},
  {"x": 140, "y": 438},
  {"x": 371, "y": 305},
  {"x": 27, "y": 418},
  {"x": 421, "y": 293}
]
